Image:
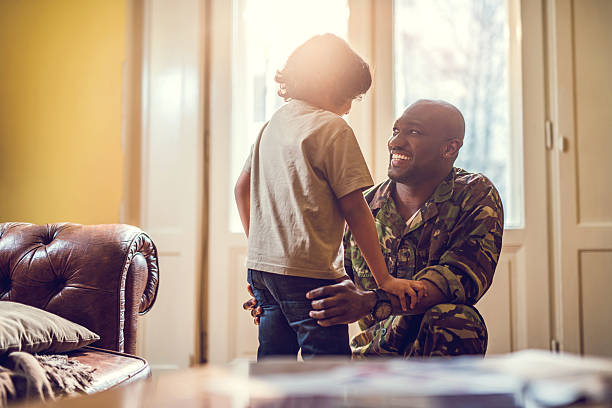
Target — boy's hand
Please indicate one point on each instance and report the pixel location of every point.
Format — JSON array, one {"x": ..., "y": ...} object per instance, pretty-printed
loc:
[
  {"x": 400, "y": 287},
  {"x": 251, "y": 305}
]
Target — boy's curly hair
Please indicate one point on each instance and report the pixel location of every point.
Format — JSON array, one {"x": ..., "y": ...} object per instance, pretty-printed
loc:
[{"x": 324, "y": 65}]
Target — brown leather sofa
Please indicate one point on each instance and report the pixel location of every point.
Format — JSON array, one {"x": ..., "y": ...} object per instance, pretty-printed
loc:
[{"x": 99, "y": 276}]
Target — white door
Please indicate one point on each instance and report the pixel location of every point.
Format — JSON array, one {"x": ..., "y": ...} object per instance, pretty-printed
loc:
[
  {"x": 172, "y": 176},
  {"x": 581, "y": 112}
]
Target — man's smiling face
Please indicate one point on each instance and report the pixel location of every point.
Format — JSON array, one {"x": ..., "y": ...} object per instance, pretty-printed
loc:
[{"x": 416, "y": 146}]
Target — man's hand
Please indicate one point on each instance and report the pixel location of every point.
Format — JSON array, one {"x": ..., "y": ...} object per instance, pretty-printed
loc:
[
  {"x": 340, "y": 303},
  {"x": 251, "y": 304}
]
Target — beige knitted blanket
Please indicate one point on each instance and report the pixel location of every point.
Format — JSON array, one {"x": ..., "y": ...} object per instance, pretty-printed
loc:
[{"x": 44, "y": 377}]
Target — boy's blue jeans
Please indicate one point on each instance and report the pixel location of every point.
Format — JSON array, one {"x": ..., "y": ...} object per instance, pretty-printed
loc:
[{"x": 285, "y": 326}]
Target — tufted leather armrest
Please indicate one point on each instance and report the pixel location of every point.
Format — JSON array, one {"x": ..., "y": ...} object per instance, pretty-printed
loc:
[{"x": 99, "y": 276}]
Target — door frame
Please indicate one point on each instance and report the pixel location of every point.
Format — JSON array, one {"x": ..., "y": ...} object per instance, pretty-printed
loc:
[{"x": 526, "y": 251}]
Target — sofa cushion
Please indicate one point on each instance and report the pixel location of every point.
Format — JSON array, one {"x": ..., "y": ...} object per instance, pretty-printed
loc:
[{"x": 33, "y": 330}]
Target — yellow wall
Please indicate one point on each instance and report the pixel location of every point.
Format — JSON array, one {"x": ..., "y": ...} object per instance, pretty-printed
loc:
[{"x": 60, "y": 110}]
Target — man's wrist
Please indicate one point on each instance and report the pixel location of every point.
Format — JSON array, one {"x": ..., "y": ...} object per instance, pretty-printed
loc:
[
  {"x": 369, "y": 299},
  {"x": 382, "y": 308}
]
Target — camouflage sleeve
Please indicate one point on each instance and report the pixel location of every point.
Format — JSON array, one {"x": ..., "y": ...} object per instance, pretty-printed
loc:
[
  {"x": 465, "y": 270},
  {"x": 348, "y": 264}
]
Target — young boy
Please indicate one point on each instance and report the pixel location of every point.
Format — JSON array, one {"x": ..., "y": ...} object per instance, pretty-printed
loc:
[{"x": 303, "y": 179}]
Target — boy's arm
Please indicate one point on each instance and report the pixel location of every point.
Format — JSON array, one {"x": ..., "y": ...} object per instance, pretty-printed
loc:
[
  {"x": 242, "y": 194},
  {"x": 361, "y": 223}
]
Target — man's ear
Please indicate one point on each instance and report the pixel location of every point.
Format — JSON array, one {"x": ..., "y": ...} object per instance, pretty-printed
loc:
[{"x": 450, "y": 149}]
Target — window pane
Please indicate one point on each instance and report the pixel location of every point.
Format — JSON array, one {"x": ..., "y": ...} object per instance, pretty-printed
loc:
[
  {"x": 265, "y": 33},
  {"x": 459, "y": 51}
]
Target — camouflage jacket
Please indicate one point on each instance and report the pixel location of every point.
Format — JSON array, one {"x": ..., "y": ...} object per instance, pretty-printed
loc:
[{"x": 453, "y": 241}]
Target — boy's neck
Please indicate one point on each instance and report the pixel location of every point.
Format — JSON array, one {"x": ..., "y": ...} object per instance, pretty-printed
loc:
[{"x": 328, "y": 105}]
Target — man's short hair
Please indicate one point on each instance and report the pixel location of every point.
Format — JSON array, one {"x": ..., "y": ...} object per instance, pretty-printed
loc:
[{"x": 324, "y": 65}]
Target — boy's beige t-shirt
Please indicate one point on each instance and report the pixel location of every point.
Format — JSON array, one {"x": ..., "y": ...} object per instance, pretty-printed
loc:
[{"x": 305, "y": 159}]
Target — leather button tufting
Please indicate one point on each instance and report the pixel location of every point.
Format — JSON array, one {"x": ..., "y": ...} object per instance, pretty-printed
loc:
[
  {"x": 5, "y": 285},
  {"x": 48, "y": 235},
  {"x": 46, "y": 239}
]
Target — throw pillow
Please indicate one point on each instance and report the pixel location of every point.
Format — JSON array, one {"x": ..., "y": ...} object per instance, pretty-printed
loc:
[{"x": 33, "y": 330}]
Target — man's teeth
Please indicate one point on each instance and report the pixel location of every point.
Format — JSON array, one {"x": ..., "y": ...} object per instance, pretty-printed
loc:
[{"x": 397, "y": 156}]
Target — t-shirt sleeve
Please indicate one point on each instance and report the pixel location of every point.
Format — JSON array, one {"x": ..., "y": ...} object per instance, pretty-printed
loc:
[
  {"x": 249, "y": 161},
  {"x": 345, "y": 167},
  {"x": 247, "y": 164}
]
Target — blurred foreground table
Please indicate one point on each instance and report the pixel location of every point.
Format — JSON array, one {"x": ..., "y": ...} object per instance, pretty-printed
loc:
[{"x": 523, "y": 379}]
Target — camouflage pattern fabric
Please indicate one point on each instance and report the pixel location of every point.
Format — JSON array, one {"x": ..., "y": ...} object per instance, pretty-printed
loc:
[
  {"x": 454, "y": 242},
  {"x": 444, "y": 330}
]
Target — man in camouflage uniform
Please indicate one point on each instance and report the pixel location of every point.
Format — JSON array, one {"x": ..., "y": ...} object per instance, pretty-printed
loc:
[
  {"x": 464, "y": 208},
  {"x": 437, "y": 224}
]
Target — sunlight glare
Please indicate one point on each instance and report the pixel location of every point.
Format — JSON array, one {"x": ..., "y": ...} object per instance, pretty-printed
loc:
[{"x": 278, "y": 26}]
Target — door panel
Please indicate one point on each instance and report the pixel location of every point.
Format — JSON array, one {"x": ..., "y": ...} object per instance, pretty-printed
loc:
[
  {"x": 596, "y": 302},
  {"x": 496, "y": 307},
  {"x": 593, "y": 104}
]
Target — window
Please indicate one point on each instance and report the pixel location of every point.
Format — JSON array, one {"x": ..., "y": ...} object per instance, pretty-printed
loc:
[
  {"x": 265, "y": 33},
  {"x": 465, "y": 52},
  {"x": 461, "y": 51}
]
